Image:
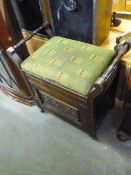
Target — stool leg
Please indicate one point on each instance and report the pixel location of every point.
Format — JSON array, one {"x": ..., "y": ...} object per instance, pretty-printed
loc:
[
  {"x": 92, "y": 127},
  {"x": 87, "y": 120}
]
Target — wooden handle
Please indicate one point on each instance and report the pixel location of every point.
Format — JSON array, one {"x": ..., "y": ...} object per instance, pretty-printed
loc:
[
  {"x": 123, "y": 37},
  {"x": 20, "y": 43},
  {"x": 125, "y": 47}
]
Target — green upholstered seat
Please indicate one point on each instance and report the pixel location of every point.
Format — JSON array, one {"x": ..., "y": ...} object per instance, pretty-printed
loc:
[{"x": 72, "y": 64}]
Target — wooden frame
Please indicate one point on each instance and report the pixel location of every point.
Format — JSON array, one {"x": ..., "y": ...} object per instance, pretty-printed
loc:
[{"x": 82, "y": 111}]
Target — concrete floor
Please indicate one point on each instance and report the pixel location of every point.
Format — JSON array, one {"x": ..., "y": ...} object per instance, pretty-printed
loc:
[{"x": 33, "y": 143}]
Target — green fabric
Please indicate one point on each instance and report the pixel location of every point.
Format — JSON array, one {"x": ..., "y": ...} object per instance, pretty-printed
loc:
[{"x": 72, "y": 64}]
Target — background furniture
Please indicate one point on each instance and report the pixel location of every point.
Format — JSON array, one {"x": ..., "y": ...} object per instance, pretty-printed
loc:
[
  {"x": 119, "y": 14},
  {"x": 13, "y": 27},
  {"x": 121, "y": 5},
  {"x": 123, "y": 88},
  {"x": 124, "y": 83},
  {"x": 81, "y": 20},
  {"x": 35, "y": 42},
  {"x": 123, "y": 95},
  {"x": 124, "y": 92},
  {"x": 124, "y": 132},
  {"x": 128, "y": 5},
  {"x": 121, "y": 9},
  {"x": 29, "y": 20},
  {"x": 64, "y": 17},
  {"x": 28, "y": 13},
  {"x": 12, "y": 81}
]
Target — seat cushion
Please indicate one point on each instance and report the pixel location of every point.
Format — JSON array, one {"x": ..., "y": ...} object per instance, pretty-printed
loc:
[{"x": 72, "y": 64}]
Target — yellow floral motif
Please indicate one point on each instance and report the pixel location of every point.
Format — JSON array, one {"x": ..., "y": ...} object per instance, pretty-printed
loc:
[
  {"x": 63, "y": 41},
  {"x": 87, "y": 48},
  {"x": 60, "y": 41},
  {"x": 53, "y": 61},
  {"x": 59, "y": 74},
  {"x": 73, "y": 58},
  {"x": 50, "y": 52},
  {"x": 81, "y": 71},
  {"x": 35, "y": 66},
  {"x": 66, "y": 49},
  {"x": 93, "y": 57}
]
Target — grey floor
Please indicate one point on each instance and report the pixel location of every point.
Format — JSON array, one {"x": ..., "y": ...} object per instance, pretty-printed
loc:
[{"x": 32, "y": 143}]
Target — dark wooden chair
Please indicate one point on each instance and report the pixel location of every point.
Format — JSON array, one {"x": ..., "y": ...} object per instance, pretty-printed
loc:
[
  {"x": 73, "y": 79},
  {"x": 12, "y": 80}
]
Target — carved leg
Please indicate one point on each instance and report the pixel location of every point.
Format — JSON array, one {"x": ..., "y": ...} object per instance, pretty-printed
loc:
[{"x": 87, "y": 119}]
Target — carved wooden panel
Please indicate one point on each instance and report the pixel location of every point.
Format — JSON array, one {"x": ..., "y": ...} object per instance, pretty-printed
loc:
[{"x": 59, "y": 106}]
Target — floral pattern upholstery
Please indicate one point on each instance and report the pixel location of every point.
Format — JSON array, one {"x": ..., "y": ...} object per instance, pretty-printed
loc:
[{"x": 72, "y": 64}]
